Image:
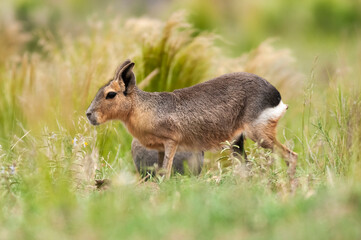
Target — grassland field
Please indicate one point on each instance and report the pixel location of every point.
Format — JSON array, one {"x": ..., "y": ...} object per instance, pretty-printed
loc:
[{"x": 53, "y": 59}]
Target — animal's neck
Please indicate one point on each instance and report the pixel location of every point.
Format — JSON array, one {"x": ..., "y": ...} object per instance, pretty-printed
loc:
[{"x": 140, "y": 118}]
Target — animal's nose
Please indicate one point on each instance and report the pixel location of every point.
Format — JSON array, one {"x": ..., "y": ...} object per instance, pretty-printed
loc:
[{"x": 88, "y": 114}]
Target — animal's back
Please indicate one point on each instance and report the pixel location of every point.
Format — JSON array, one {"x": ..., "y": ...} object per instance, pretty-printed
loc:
[{"x": 211, "y": 112}]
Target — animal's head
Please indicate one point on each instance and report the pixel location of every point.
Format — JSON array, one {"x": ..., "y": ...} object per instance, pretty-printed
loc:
[{"x": 114, "y": 100}]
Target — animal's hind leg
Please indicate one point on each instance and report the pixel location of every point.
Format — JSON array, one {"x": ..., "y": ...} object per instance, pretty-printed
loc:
[
  {"x": 291, "y": 162},
  {"x": 239, "y": 148},
  {"x": 265, "y": 136},
  {"x": 290, "y": 156}
]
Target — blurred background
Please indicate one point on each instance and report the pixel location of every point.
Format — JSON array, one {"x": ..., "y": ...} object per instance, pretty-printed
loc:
[{"x": 242, "y": 25}]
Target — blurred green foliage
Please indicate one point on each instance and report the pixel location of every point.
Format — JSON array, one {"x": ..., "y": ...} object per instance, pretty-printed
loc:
[
  {"x": 337, "y": 17},
  {"x": 244, "y": 23}
]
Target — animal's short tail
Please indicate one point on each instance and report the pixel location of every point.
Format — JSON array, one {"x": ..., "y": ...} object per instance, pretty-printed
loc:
[{"x": 273, "y": 113}]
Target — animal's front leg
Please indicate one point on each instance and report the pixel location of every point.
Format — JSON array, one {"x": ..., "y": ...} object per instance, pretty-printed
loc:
[{"x": 170, "y": 148}]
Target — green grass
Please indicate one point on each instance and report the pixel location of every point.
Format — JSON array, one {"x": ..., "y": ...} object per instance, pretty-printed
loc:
[
  {"x": 191, "y": 208},
  {"x": 50, "y": 155}
]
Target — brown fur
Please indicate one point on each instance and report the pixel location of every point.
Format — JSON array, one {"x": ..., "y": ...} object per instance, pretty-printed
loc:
[{"x": 196, "y": 118}]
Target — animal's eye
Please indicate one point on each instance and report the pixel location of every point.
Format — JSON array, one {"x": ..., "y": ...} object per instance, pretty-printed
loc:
[{"x": 110, "y": 95}]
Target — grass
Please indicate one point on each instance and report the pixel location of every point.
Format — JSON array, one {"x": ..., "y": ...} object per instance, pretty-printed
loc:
[{"x": 50, "y": 155}]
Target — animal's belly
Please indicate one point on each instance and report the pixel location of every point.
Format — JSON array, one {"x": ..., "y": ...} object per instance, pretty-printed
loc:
[
  {"x": 211, "y": 139},
  {"x": 151, "y": 142}
]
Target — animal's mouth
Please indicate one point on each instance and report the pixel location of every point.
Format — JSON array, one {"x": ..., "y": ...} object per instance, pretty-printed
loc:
[{"x": 93, "y": 122}]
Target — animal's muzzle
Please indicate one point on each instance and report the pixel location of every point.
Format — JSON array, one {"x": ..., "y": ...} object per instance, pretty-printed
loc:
[{"x": 92, "y": 119}]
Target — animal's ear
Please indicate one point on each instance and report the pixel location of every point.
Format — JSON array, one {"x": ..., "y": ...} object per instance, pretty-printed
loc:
[
  {"x": 127, "y": 77},
  {"x": 120, "y": 68}
]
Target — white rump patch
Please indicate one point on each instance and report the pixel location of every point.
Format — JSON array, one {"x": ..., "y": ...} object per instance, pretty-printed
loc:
[{"x": 272, "y": 113}]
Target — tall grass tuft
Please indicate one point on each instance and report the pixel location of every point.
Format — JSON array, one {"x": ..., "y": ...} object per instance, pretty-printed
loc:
[{"x": 176, "y": 55}]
